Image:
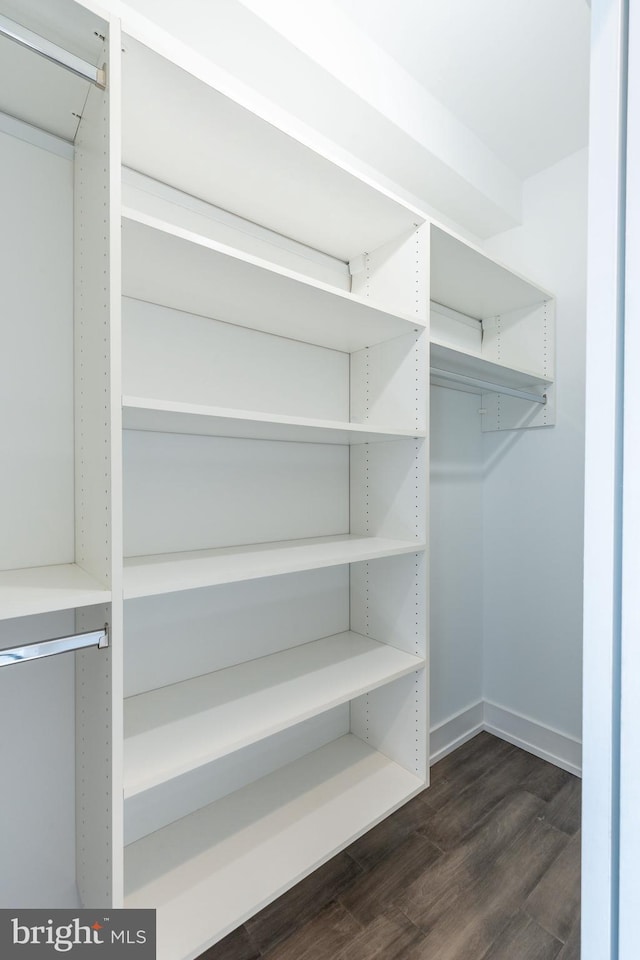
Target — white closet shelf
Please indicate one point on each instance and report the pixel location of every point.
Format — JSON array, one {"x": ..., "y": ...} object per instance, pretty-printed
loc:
[
  {"x": 172, "y": 572},
  {"x": 142, "y": 413},
  {"x": 35, "y": 89},
  {"x": 46, "y": 589},
  {"x": 180, "y": 727},
  {"x": 465, "y": 279},
  {"x": 464, "y": 364},
  {"x": 165, "y": 264},
  {"x": 208, "y": 872},
  {"x": 240, "y": 162}
]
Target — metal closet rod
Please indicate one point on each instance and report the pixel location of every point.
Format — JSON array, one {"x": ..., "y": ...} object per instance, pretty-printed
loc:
[
  {"x": 487, "y": 385},
  {"x": 47, "y": 648},
  {"x": 51, "y": 51}
]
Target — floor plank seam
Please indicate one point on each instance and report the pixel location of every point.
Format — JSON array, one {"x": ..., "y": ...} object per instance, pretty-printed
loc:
[
  {"x": 540, "y": 923},
  {"x": 398, "y": 907}
]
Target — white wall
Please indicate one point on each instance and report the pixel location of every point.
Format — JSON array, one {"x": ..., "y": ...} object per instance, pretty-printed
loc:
[
  {"x": 37, "y": 717},
  {"x": 456, "y": 565},
  {"x": 507, "y": 515},
  {"x": 533, "y": 490}
]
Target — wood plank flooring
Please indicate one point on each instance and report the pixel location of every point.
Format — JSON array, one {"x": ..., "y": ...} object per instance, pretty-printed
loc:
[{"x": 484, "y": 865}]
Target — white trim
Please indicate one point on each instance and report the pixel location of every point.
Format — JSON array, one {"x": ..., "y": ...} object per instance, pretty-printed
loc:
[
  {"x": 34, "y": 135},
  {"x": 456, "y": 730},
  {"x": 530, "y": 735},
  {"x": 629, "y": 769},
  {"x": 534, "y": 737},
  {"x": 602, "y": 507}
]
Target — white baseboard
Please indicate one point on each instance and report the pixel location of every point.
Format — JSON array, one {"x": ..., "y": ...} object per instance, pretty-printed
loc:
[
  {"x": 456, "y": 730},
  {"x": 534, "y": 737}
]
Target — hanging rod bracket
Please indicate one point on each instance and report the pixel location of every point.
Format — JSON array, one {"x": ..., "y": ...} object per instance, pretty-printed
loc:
[
  {"x": 51, "y": 51},
  {"x": 101, "y": 77},
  {"x": 48, "y": 648}
]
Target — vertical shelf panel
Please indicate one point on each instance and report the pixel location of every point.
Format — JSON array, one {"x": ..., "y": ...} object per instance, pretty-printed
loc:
[
  {"x": 98, "y": 496},
  {"x": 389, "y": 497}
]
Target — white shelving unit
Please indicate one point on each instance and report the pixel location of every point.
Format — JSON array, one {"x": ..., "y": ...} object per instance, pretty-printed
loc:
[
  {"x": 492, "y": 332},
  {"x": 60, "y": 557},
  {"x": 274, "y": 499},
  {"x": 228, "y": 398}
]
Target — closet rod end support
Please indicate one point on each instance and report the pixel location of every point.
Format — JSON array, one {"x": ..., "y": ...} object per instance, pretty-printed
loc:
[{"x": 104, "y": 639}]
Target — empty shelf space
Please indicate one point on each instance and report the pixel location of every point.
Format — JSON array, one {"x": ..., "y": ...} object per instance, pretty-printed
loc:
[
  {"x": 171, "y": 572},
  {"x": 165, "y": 264},
  {"x": 240, "y": 162},
  {"x": 46, "y": 589},
  {"x": 140, "y": 413},
  {"x": 467, "y": 280},
  {"x": 450, "y": 360},
  {"x": 208, "y": 872},
  {"x": 177, "y": 728}
]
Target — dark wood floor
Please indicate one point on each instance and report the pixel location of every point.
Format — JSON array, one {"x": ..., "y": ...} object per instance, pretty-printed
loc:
[{"x": 484, "y": 865}]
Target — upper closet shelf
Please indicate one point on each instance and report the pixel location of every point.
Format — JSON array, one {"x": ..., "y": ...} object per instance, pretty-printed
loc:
[
  {"x": 185, "y": 725},
  {"x": 40, "y": 53},
  {"x": 45, "y": 589},
  {"x": 208, "y": 872},
  {"x": 174, "y": 267},
  {"x": 162, "y": 416},
  {"x": 450, "y": 365},
  {"x": 465, "y": 279},
  {"x": 182, "y": 127},
  {"x": 171, "y": 572}
]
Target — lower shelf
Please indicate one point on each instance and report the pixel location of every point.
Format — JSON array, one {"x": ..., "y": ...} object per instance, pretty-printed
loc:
[
  {"x": 46, "y": 589},
  {"x": 178, "y": 728},
  {"x": 210, "y": 871}
]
